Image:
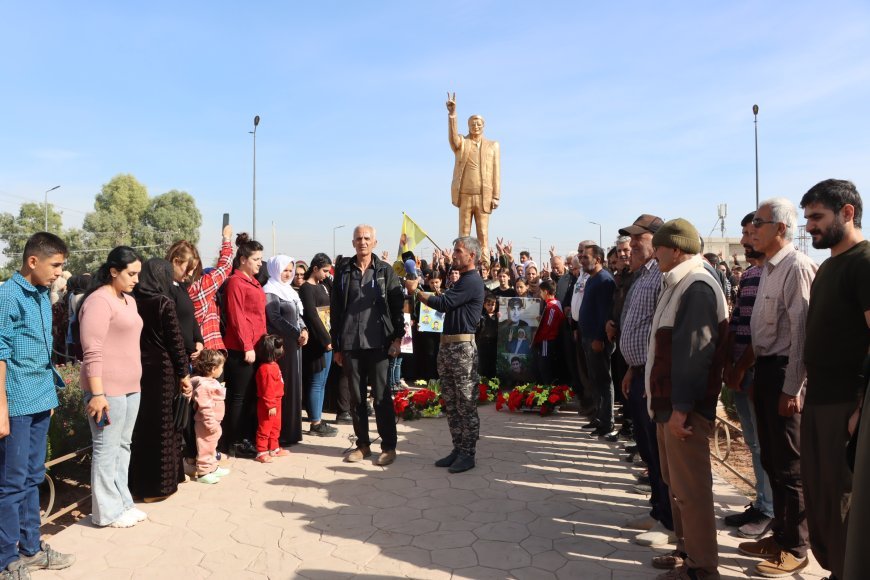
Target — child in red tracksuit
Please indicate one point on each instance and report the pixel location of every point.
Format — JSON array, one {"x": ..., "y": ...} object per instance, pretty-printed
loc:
[
  {"x": 270, "y": 391},
  {"x": 208, "y": 399},
  {"x": 546, "y": 342}
]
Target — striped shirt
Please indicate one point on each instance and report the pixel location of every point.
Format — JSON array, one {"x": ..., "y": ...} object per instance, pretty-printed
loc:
[
  {"x": 742, "y": 313},
  {"x": 637, "y": 315},
  {"x": 779, "y": 317},
  {"x": 25, "y": 339}
]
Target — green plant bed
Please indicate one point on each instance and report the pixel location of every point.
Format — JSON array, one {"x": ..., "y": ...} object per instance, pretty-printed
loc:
[{"x": 69, "y": 430}]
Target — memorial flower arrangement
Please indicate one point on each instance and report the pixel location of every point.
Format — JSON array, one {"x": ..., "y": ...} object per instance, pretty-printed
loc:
[
  {"x": 422, "y": 401},
  {"x": 544, "y": 398},
  {"x": 488, "y": 390}
]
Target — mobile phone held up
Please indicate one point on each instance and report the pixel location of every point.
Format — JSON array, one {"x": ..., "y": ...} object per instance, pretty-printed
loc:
[{"x": 104, "y": 421}]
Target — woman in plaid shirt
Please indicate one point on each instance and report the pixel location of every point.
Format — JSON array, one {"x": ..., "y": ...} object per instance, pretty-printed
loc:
[{"x": 203, "y": 291}]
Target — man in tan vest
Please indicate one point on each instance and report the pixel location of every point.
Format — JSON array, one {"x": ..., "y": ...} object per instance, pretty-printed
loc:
[{"x": 475, "y": 187}]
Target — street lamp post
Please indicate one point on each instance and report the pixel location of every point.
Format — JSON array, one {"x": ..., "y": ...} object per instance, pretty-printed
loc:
[
  {"x": 46, "y": 205},
  {"x": 254, "y": 133},
  {"x": 333, "y": 239},
  {"x": 755, "y": 113},
  {"x": 599, "y": 233},
  {"x": 540, "y": 255}
]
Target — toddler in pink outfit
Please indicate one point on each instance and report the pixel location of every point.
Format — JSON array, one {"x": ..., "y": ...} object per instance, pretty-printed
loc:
[{"x": 208, "y": 400}]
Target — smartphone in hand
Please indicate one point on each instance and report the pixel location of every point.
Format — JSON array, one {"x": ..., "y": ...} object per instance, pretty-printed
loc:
[{"x": 104, "y": 421}]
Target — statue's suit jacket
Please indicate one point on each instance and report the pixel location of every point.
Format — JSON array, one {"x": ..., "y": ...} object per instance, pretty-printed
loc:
[{"x": 489, "y": 159}]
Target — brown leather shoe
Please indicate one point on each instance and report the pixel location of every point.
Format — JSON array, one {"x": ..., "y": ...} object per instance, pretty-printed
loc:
[
  {"x": 764, "y": 548},
  {"x": 358, "y": 454},
  {"x": 386, "y": 457},
  {"x": 783, "y": 564}
]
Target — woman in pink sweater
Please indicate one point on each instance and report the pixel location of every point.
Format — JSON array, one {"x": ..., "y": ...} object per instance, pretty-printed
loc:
[{"x": 109, "y": 328}]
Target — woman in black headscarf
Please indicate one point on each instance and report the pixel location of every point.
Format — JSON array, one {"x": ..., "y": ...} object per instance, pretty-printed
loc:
[{"x": 155, "y": 462}]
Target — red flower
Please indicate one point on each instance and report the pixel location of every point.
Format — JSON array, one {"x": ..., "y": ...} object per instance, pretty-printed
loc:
[
  {"x": 499, "y": 402},
  {"x": 515, "y": 399},
  {"x": 554, "y": 398},
  {"x": 530, "y": 400},
  {"x": 481, "y": 394}
]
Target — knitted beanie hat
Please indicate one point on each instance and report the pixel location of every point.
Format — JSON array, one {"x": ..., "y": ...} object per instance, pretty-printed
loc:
[{"x": 680, "y": 234}]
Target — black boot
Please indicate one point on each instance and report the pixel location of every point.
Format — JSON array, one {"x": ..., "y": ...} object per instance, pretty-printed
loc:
[
  {"x": 448, "y": 461},
  {"x": 463, "y": 463}
]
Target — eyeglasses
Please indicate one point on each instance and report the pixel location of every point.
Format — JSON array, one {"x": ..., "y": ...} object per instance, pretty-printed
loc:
[{"x": 758, "y": 222}]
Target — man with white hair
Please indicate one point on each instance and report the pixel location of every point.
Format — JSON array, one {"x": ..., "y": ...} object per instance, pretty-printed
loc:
[
  {"x": 367, "y": 326},
  {"x": 778, "y": 328}
]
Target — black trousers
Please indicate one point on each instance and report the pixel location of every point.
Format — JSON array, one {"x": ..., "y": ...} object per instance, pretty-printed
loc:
[
  {"x": 363, "y": 368},
  {"x": 240, "y": 419},
  {"x": 648, "y": 447},
  {"x": 780, "y": 441},
  {"x": 827, "y": 480}
]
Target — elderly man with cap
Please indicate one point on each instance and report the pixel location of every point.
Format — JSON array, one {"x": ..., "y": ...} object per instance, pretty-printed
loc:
[
  {"x": 683, "y": 379},
  {"x": 633, "y": 331}
]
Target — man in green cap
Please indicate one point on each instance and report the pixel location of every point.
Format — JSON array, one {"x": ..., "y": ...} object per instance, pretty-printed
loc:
[{"x": 687, "y": 353}]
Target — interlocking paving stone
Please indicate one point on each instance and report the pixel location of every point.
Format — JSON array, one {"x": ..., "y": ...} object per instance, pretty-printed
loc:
[{"x": 544, "y": 502}]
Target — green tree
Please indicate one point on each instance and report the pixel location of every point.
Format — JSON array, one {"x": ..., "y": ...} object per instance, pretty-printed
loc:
[
  {"x": 123, "y": 215},
  {"x": 14, "y": 231},
  {"x": 170, "y": 217}
]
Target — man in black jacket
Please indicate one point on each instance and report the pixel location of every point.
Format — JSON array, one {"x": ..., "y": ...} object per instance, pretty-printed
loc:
[{"x": 367, "y": 325}]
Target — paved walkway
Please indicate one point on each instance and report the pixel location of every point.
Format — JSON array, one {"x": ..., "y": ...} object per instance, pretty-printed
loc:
[{"x": 544, "y": 501}]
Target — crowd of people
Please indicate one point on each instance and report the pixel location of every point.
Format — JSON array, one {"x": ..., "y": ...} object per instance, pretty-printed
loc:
[{"x": 183, "y": 365}]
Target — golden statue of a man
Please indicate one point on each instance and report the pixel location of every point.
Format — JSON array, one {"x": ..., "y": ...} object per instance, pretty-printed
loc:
[{"x": 475, "y": 189}]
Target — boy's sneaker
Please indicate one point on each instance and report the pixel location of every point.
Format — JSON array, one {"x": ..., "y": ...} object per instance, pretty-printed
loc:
[
  {"x": 280, "y": 452},
  {"x": 15, "y": 571},
  {"x": 323, "y": 430},
  {"x": 221, "y": 472},
  {"x": 47, "y": 559},
  {"x": 208, "y": 478},
  {"x": 137, "y": 513},
  {"x": 263, "y": 457}
]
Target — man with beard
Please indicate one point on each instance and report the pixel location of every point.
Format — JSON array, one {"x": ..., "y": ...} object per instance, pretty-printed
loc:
[
  {"x": 835, "y": 350},
  {"x": 624, "y": 277},
  {"x": 778, "y": 328},
  {"x": 457, "y": 357},
  {"x": 738, "y": 376}
]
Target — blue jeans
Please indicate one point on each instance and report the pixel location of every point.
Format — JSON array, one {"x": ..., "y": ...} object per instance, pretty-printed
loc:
[
  {"x": 111, "y": 459},
  {"x": 394, "y": 372},
  {"x": 22, "y": 469},
  {"x": 746, "y": 413},
  {"x": 317, "y": 389}
]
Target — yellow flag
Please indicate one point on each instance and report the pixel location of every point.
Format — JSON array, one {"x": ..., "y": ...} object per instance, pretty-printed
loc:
[{"x": 413, "y": 233}]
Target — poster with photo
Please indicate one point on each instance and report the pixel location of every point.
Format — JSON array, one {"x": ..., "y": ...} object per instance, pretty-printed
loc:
[
  {"x": 430, "y": 320},
  {"x": 518, "y": 320},
  {"x": 407, "y": 339},
  {"x": 323, "y": 314}
]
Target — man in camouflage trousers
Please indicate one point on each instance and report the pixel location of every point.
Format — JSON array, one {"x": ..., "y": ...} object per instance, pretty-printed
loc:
[{"x": 457, "y": 357}]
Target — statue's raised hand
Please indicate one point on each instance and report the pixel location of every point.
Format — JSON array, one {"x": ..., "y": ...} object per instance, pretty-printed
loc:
[{"x": 451, "y": 103}]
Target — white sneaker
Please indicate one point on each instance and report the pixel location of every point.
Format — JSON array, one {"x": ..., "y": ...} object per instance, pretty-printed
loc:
[
  {"x": 137, "y": 513},
  {"x": 127, "y": 520},
  {"x": 658, "y": 535}
]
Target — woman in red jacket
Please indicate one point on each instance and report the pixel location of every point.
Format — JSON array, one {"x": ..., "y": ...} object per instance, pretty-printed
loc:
[{"x": 245, "y": 306}]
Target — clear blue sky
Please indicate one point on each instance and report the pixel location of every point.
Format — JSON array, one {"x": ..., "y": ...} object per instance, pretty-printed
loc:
[{"x": 604, "y": 111}]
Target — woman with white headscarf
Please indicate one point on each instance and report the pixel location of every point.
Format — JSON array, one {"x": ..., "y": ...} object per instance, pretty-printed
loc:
[{"x": 284, "y": 318}]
